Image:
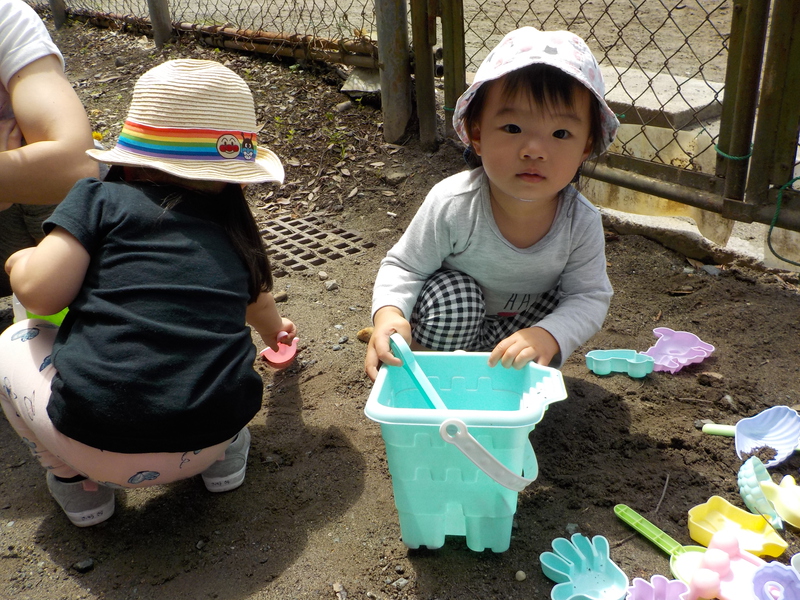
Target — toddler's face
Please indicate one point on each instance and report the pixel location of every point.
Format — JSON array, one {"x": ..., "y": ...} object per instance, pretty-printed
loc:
[{"x": 531, "y": 152}]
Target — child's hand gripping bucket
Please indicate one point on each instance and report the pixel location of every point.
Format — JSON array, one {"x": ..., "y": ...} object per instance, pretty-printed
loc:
[{"x": 456, "y": 471}]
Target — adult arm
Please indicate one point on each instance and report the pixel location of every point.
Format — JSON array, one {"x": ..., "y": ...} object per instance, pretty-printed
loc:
[
  {"x": 10, "y": 139},
  {"x": 57, "y": 133}
]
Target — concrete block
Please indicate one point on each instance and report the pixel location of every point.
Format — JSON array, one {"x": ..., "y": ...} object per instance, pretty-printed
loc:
[{"x": 661, "y": 100}]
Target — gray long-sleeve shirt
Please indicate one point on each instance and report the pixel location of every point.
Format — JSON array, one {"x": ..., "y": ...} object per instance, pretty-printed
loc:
[{"x": 455, "y": 229}]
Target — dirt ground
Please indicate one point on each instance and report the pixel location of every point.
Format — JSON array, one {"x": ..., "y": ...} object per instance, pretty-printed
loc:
[{"x": 315, "y": 518}]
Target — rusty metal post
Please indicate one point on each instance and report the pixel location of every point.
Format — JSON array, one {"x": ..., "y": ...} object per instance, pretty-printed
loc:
[
  {"x": 160, "y": 20},
  {"x": 423, "y": 41},
  {"x": 453, "y": 57},
  {"x": 393, "y": 57}
]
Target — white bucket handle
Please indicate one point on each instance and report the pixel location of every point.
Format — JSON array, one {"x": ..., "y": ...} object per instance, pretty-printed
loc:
[{"x": 483, "y": 459}]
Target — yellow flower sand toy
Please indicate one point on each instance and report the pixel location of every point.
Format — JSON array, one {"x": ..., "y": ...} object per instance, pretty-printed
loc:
[{"x": 753, "y": 532}]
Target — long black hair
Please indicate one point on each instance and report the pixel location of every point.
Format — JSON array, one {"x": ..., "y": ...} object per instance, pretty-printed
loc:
[
  {"x": 228, "y": 209},
  {"x": 242, "y": 229}
]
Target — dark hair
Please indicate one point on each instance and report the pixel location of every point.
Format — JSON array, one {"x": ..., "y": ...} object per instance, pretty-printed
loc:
[
  {"x": 241, "y": 227},
  {"x": 228, "y": 209},
  {"x": 546, "y": 86}
]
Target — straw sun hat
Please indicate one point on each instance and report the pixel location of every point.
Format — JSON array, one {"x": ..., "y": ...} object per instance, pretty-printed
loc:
[{"x": 194, "y": 119}]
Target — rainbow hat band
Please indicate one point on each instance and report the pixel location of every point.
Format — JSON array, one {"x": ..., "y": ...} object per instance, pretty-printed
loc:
[
  {"x": 194, "y": 119},
  {"x": 187, "y": 144}
]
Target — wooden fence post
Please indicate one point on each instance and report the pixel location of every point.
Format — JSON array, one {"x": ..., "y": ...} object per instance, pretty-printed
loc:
[
  {"x": 160, "y": 20},
  {"x": 395, "y": 72},
  {"x": 59, "y": 10},
  {"x": 776, "y": 135},
  {"x": 454, "y": 58},
  {"x": 423, "y": 29}
]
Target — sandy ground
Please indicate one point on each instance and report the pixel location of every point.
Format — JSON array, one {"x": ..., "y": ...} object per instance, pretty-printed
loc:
[{"x": 316, "y": 517}]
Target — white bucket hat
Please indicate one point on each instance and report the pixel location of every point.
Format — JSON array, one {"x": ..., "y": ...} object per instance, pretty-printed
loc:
[
  {"x": 194, "y": 119},
  {"x": 528, "y": 46}
]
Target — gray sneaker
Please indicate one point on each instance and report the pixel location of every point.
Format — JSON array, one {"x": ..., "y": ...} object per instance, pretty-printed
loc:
[
  {"x": 85, "y": 502},
  {"x": 228, "y": 474}
]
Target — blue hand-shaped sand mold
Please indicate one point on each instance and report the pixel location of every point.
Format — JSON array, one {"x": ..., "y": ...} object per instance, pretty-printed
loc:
[{"x": 583, "y": 570}]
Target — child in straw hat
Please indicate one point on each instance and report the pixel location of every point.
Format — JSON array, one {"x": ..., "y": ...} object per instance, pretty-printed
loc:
[
  {"x": 150, "y": 377},
  {"x": 508, "y": 258}
]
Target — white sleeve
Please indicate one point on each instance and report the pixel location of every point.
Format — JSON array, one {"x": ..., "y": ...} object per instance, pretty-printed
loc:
[
  {"x": 436, "y": 232},
  {"x": 23, "y": 39},
  {"x": 585, "y": 292}
]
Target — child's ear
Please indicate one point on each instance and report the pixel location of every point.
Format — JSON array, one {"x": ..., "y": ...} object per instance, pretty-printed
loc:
[
  {"x": 475, "y": 139},
  {"x": 587, "y": 151}
]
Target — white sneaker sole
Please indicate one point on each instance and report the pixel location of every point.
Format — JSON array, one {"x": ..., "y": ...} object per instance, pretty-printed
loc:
[
  {"x": 232, "y": 481},
  {"x": 91, "y": 517},
  {"x": 226, "y": 484}
]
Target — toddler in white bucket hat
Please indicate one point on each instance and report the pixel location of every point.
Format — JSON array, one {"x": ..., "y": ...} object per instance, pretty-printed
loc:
[
  {"x": 150, "y": 378},
  {"x": 508, "y": 257},
  {"x": 528, "y": 46}
]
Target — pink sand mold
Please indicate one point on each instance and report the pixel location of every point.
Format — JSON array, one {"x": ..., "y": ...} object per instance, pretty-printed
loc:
[
  {"x": 604, "y": 362},
  {"x": 777, "y": 427},
  {"x": 674, "y": 350},
  {"x": 285, "y": 354},
  {"x": 775, "y": 581},
  {"x": 658, "y": 588},
  {"x": 726, "y": 571},
  {"x": 751, "y": 474}
]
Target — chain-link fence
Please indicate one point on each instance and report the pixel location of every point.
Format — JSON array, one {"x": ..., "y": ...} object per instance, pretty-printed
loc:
[
  {"x": 329, "y": 19},
  {"x": 688, "y": 119},
  {"x": 664, "y": 63},
  {"x": 335, "y": 27}
]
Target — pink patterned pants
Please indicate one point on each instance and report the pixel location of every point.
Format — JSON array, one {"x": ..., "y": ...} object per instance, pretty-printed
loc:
[{"x": 25, "y": 375}]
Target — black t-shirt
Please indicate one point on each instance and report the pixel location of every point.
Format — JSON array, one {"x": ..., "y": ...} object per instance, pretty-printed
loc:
[{"x": 154, "y": 354}]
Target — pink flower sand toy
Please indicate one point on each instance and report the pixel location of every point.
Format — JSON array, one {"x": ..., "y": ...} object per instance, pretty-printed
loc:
[
  {"x": 658, "y": 588},
  {"x": 675, "y": 349},
  {"x": 726, "y": 571}
]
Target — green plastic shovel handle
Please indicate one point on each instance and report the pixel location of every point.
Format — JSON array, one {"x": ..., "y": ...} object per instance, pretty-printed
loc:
[
  {"x": 716, "y": 429},
  {"x": 726, "y": 430},
  {"x": 401, "y": 350},
  {"x": 648, "y": 530}
]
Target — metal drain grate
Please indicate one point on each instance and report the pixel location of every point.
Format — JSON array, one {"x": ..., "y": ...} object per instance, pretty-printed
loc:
[{"x": 300, "y": 244}]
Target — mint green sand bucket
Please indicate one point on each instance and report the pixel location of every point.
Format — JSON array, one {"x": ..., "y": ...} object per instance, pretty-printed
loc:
[{"x": 457, "y": 471}]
